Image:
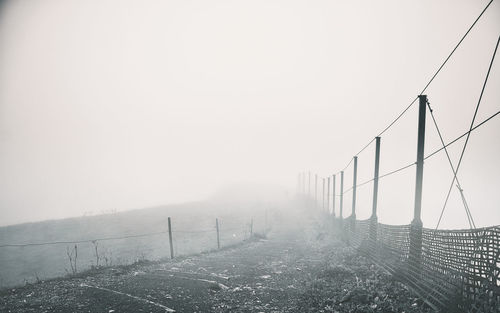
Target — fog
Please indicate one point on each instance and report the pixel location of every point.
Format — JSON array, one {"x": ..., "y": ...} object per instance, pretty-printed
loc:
[{"x": 118, "y": 105}]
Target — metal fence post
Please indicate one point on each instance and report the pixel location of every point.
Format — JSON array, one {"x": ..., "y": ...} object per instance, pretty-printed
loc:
[
  {"x": 309, "y": 185},
  {"x": 354, "y": 183},
  {"x": 333, "y": 196},
  {"x": 328, "y": 197},
  {"x": 315, "y": 190},
  {"x": 323, "y": 206},
  {"x": 415, "y": 253},
  {"x": 170, "y": 238},
  {"x": 341, "y": 202},
  {"x": 373, "y": 219}
]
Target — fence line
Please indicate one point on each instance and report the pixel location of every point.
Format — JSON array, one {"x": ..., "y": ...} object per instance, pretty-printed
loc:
[
  {"x": 446, "y": 268},
  {"x": 458, "y": 268}
]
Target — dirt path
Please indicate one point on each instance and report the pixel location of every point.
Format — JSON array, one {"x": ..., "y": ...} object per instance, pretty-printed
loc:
[
  {"x": 265, "y": 275},
  {"x": 291, "y": 271}
]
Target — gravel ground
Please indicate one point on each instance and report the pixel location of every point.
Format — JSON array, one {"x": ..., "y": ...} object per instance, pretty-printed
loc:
[{"x": 289, "y": 271}]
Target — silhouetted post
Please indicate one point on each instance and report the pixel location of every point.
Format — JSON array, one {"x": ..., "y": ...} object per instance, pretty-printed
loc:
[
  {"x": 309, "y": 185},
  {"x": 323, "y": 206},
  {"x": 373, "y": 219},
  {"x": 303, "y": 183},
  {"x": 298, "y": 184},
  {"x": 251, "y": 228},
  {"x": 328, "y": 197},
  {"x": 415, "y": 255},
  {"x": 265, "y": 223},
  {"x": 316, "y": 190},
  {"x": 170, "y": 238},
  {"x": 354, "y": 183},
  {"x": 341, "y": 194},
  {"x": 333, "y": 196},
  {"x": 217, "y": 228}
]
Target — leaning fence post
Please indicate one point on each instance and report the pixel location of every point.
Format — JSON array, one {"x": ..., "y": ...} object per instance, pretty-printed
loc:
[
  {"x": 415, "y": 255},
  {"x": 170, "y": 238},
  {"x": 373, "y": 219},
  {"x": 217, "y": 228},
  {"x": 354, "y": 183}
]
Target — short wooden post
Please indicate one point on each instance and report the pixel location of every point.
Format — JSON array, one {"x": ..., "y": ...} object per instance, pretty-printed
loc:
[
  {"x": 170, "y": 238},
  {"x": 251, "y": 227},
  {"x": 415, "y": 253},
  {"x": 217, "y": 228},
  {"x": 373, "y": 219}
]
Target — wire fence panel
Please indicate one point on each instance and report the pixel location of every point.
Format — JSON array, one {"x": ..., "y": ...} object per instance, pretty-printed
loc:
[{"x": 456, "y": 268}]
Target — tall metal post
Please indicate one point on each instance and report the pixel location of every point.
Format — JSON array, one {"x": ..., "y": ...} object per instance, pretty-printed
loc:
[
  {"x": 298, "y": 184},
  {"x": 341, "y": 194},
  {"x": 333, "y": 196},
  {"x": 354, "y": 183},
  {"x": 303, "y": 183},
  {"x": 328, "y": 197},
  {"x": 309, "y": 185},
  {"x": 415, "y": 254},
  {"x": 170, "y": 238},
  {"x": 323, "y": 206},
  {"x": 374, "y": 221}
]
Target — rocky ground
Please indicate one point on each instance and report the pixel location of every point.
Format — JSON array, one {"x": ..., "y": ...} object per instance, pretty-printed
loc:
[{"x": 287, "y": 271}]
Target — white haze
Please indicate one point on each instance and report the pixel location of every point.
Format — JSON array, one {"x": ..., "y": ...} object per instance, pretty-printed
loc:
[{"x": 129, "y": 104}]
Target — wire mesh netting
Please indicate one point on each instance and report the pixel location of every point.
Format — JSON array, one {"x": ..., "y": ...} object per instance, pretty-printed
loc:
[{"x": 453, "y": 268}]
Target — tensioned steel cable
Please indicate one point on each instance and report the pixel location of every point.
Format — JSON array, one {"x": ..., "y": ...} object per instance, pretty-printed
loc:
[
  {"x": 470, "y": 128},
  {"x": 430, "y": 154},
  {"x": 427, "y": 85}
]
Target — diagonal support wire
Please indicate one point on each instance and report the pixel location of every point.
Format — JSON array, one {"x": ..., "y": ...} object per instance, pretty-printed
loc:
[
  {"x": 466, "y": 207},
  {"x": 468, "y": 135}
]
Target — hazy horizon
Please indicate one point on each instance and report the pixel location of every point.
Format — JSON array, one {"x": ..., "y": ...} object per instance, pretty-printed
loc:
[{"x": 128, "y": 104}]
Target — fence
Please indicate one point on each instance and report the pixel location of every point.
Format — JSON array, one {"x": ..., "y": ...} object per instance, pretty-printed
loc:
[
  {"x": 458, "y": 269},
  {"x": 31, "y": 261},
  {"x": 447, "y": 268}
]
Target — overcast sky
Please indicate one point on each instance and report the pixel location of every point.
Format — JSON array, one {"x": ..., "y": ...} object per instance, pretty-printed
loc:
[{"x": 128, "y": 104}]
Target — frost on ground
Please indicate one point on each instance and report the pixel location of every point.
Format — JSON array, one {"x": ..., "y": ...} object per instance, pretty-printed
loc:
[{"x": 292, "y": 270}]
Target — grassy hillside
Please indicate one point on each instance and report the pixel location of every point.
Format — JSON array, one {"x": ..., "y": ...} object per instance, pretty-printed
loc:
[{"x": 193, "y": 225}]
